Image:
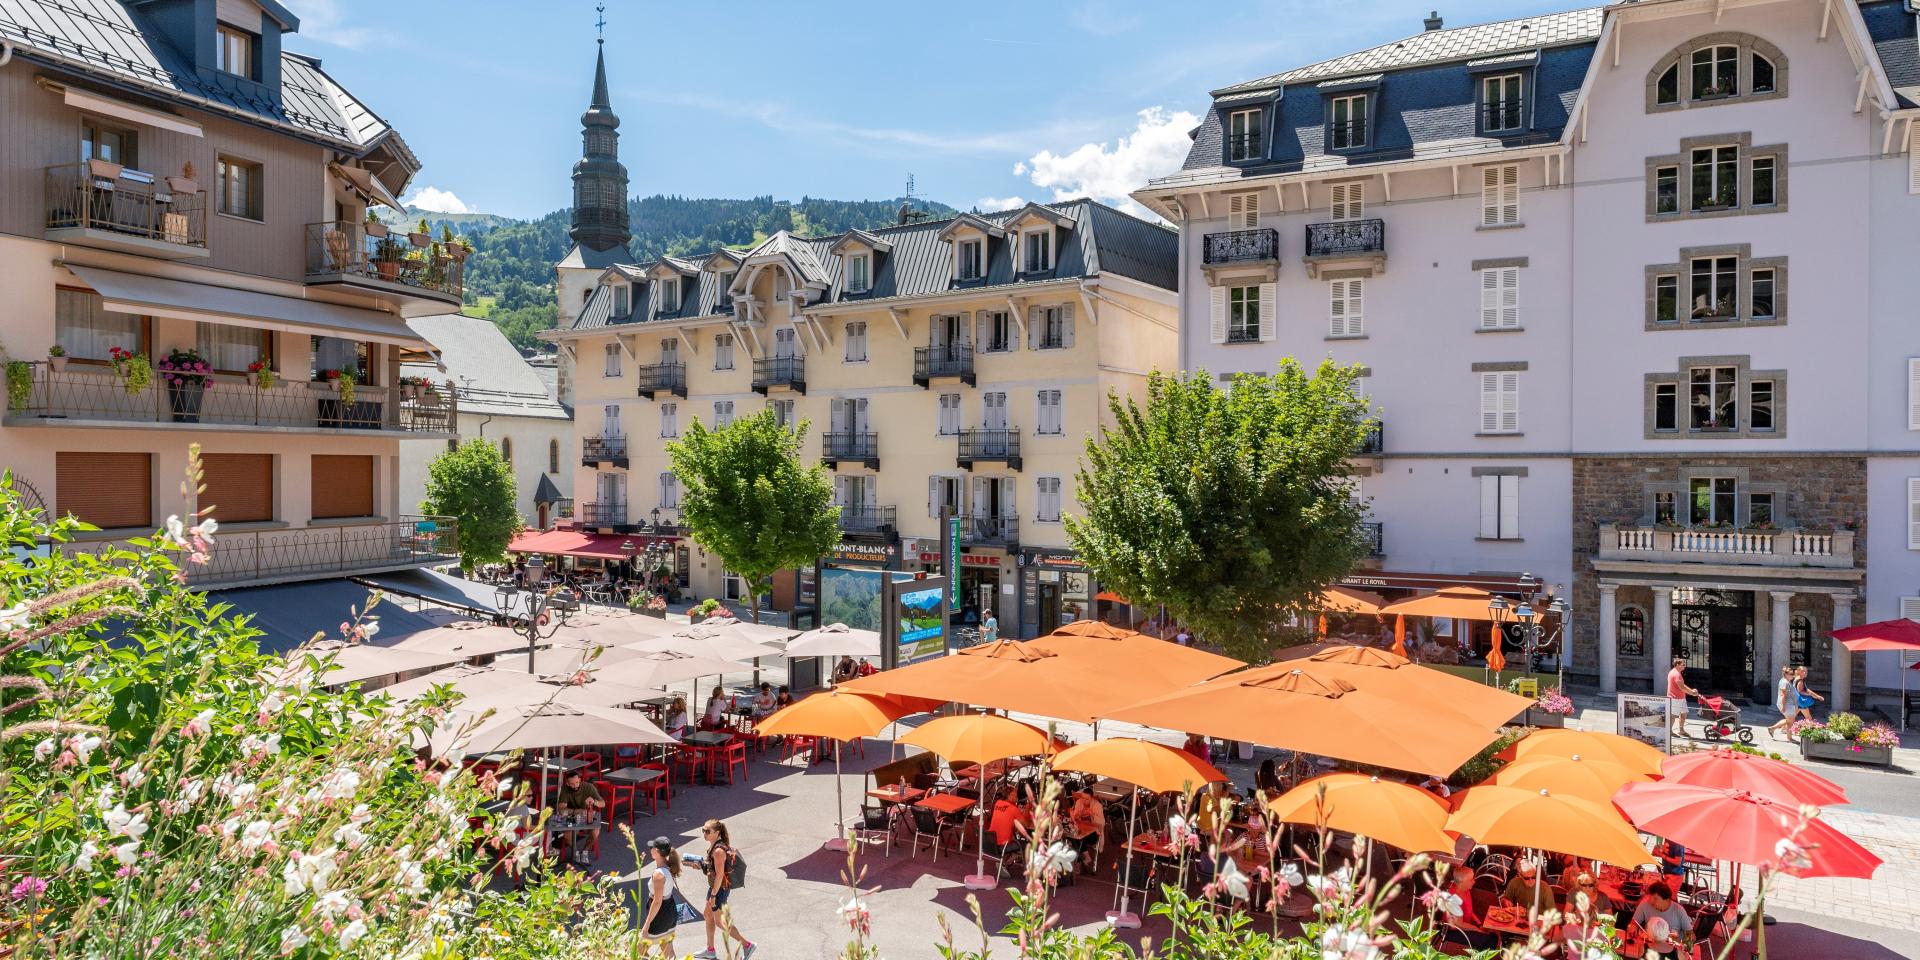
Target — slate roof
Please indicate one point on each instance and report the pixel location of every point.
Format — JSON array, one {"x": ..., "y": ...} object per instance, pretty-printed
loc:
[
  {"x": 104, "y": 39},
  {"x": 1101, "y": 239},
  {"x": 1891, "y": 25},
  {"x": 587, "y": 258},
  {"x": 489, "y": 375},
  {"x": 1440, "y": 46}
]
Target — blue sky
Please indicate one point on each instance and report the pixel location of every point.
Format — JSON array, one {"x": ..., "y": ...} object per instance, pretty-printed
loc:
[{"x": 983, "y": 102}]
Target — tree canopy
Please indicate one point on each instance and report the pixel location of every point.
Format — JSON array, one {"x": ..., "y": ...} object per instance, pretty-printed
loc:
[
  {"x": 473, "y": 484},
  {"x": 748, "y": 498},
  {"x": 1230, "y": 506}
]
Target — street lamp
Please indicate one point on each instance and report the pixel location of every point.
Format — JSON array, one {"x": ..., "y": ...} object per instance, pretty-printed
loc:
[
  {"x": 1531, "y": 629},
  {"x": 527, "y": 610}
]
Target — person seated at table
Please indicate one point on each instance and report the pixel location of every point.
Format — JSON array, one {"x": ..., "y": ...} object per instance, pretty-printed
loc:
[
  {"x": 1011, "y": 827},
  {"x": 579, "y": 798},
  {"x": 716, "y": 715},
  {"x": 1667, "y": 928},
  {"x": 1087, "y": 821},
  {"x": 1526, "y": 891},
  {"x": 845, "y": 670},
  {"x": 675, "y": 722},
  {"x": 1213, "y": 810},
  {"x": 1466, "y": 928},
  {"x": 1197, "y": 745},
  {"x": 1437, "y": 786},
  {"x": 763, "y": 702},
  {"x": 1587, "y": 904},
  {"x": 783, "y": 699}
]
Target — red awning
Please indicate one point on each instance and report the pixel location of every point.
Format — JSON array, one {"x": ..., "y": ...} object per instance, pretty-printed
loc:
[{"x": 573, "y": 543}]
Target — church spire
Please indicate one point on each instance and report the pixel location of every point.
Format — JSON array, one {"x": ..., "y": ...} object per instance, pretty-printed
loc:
[{"x": 599, "y": 180}]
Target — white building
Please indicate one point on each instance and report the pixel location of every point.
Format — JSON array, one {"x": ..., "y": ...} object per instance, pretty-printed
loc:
[{"x": 1560, "y": 246}]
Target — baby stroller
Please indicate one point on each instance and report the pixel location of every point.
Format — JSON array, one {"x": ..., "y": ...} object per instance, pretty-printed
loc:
[{"x": 1722, "y": 722}]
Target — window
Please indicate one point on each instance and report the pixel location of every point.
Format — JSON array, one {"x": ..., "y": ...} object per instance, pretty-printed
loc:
[
  {"x": 109, "y": 490},
  {"x": 342, "y": 486},
  {"x": 1666, "y": 407},
  {"x": 1913, "y": 513},
  {"x": 1348, "y": 129},
  {"x": 231, "y": 349},
  {"x": 1048, "y": 508},
  {"x": 1710, "y": 501},
  {"x": 1500, "y": 507},
  {"x": 610, "y": 421},
  {"x": 970, "y": 262},
  {"x": 89, "y": 331},
  {"x": 859, "y": 273},
  {"x": 1631, "y": 630},
  {"x": 1499, "y": 196},
  {"x": 1712, "y": 398},
  {"x": 1763, "y": 187},
  {"x": 996, "y": 332},
  {"x": 1760, "y": 79},
  {"x": 1500, "y": 402},
  {"x": 1760, "y": 510},
  {"x": 1799, "y": 640},
  {"x": 722, "y": 413},
  {"x": 1760, "y": 293},
  {"x": 506, "y": 450},
  {"x": 622, "y": 299},
  {"x": 1667, "y": 89},
  {"x": 240, "y": 185},
  {"x": 669, "y": 294},
  {"x": 670, "y": 351},
  {"x": 1713, "y": 72},
  {"x": 1666, "y": 190},
  {"x": 1663, "y": 509},
  {"x": 1666, "y": 298},
  {"x": 1243, "y": 314},
  {"x": 1760, "y": 405},
  {"x": 1716, "y": 177},
  {"x": 337, "y": 353},
  {"x": 669, "y": 491},
  {"x": 1243, "y": 211},
  {"x": 723, "y": 351},
  {"x": 1500, "y": 103},
  {"x": 780, "y": 286},
  {"x": 238, "y": 485},
  {"x": 112, "y": 144},
  {"x": 235, "y": 53},
  {"x": 1051, "y": 418},
  {"x": 1714, "y": 282},
  {"x": 949, "y": 423},
  {"x": 1346, "y": 315},
  {"x": 1348, "y": 201},
  {"x": 1053, "y": 329},
  {"x": 993, "y": 410},
  {"x": 669, "y": 419},
  {"x": 1499, "y": 298},
  {"x": 1039, "y": 251},
  {"x": 1243, "y": 135},
  {"x": 553, "y": 456},
  {"x": 943, "y": 496},
  {"x": 856, "y": 341},
  {"x": 782, "y": 411},
  {"x": 610, "y": 363}
]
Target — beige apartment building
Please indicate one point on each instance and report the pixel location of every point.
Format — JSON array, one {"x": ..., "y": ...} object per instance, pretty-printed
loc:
[{"x": 174, "y": 182}]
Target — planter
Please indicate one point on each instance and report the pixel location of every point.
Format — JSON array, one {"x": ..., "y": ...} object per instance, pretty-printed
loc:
[
  {"x": 57, "y": 364},
  {"x": 184, "y": 399},
  {"x": 431, "y": 398},
  {"x": 1541, "y": 718},
  {"x": 420, "y": 240},
  {"x": 387, "y": 269},
  {"x": 376, "y": 229},
  {"x": 656, "y": 614},
  {"x": 1847, "y": 753}
]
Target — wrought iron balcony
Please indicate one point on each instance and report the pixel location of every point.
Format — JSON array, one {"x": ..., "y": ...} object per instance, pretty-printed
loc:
[
  {"x": 1241, "y": 246},
  {"x": 837, "y": 448},
  {"x": 943, "y": 360},
  {"x": 603, "y": 514},
  {"x": 873, "y": 521},
  {"x": 990, "y": 530},
  {"x": 658, "y": 378},
  {"x": 1501, "y": 116},
  {"x": 244, "y": 557},
  {"x": 84, "y": 394},
  {"x": 608, "y": 450},
  {"x": 1373, "y": 536},
  {"x": 1727, "y": 545},
  {"x": 991, "y": 445},
  {"x": 789, "y": 372},
  {"x": 100, "y": 204},
  {"x": 1245, "y": 146},
  {"x": 1375, "y": 442},
  {"x": 385, "y": 262},
  {"x": 1346, "y": 238}
]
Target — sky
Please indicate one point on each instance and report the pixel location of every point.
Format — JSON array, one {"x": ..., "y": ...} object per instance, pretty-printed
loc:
[{"x": 990, "y": 103}]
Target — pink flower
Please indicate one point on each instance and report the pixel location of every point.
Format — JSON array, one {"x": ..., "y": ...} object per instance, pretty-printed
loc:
[{"x": 29, "y": 887}]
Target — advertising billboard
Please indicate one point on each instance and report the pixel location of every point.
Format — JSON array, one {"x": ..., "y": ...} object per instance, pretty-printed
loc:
[
  {"x": 851, "y": 596},
  {"x": 1647, "y": 719},
  {"x": 916, "y": 626}
]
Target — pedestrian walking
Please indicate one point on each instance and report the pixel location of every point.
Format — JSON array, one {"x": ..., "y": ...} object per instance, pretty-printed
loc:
[
  {"x": 656, "y": 927},
  {"x": 723, "y": 866},
  {"x": 1677, "y": 694},
  {"x": 1804, "y": 697},
  {"x": 989, "y": 628},
  {"x": 1785, "y": 701}
]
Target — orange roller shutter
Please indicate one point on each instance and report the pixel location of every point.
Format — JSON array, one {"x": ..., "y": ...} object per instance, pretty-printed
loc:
[
  {"x": 342, "y": 486},
  {"x": 108, "y": 490},
  {"x": 239, "y": 486}
]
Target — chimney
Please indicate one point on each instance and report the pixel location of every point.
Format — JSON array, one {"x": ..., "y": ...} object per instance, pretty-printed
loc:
[{"x": 1433, "y": 21}]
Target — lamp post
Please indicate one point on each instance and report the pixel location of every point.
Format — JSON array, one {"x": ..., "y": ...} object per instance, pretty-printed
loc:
[
  {"x": 1531, "y": 629},
  {"x": 527, "y": 610}
]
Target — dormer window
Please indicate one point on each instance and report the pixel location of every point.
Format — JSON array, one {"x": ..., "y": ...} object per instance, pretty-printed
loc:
[
  {"x": 1500, "y": 104},
  {"x": 1243, "y": 135},
  {"x": 236, "y": 52},
  {"x": 971, "y": 262},
  {"x": 859, "y": 272},
  {"x": 1736, "y": 66},
  {"x": 1037, "y": 255},
  {"x": 669, "y": 295},
  {"x": 1347, "y": 124},
  {"x": 622, "y": 300}
]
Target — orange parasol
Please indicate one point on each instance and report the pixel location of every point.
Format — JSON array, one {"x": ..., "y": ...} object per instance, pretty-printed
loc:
[
  {"x": 1589, "y": 779},
  {"x": 1509, "y": 817},
  {"x": 1625, "y": 751},
  {"x": 839, "y": 716},
  {"x": 1399, "y": 635},
  {"x": 1153, "y": 766},
  {"x": 1392, "y": 813},
  {"x": 979, "y": 738},
  {"x": 1095, "y": 628},
  {"x": 1496, "y": 657},
  {"x": 1320, "y": 625},
  {"x": 1458, "y": 603},
  {"x": 1347, "y": 600}
]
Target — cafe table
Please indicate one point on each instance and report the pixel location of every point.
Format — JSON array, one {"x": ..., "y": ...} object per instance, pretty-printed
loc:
[
  {"x": 896, "y": 793},
  {"x": 708, "y": 743},
  {"x": 558, "y": 826},
  {"x": 1506, "y": 922}
]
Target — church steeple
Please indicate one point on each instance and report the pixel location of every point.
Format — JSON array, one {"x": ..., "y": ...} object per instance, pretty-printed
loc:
[{"x": 599, "y": 181}]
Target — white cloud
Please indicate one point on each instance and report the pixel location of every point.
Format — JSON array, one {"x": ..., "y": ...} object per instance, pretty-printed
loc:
[
  {"x": 995, "y": 204},
  {"x": 322, "y": 21},
  {"x": 436, "y": 200},
  {"x": 1157, "y": 146}
]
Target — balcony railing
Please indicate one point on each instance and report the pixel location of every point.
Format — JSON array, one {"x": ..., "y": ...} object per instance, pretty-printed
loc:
[
  {"x": 1501, "y": 116},
  {"x": 994, "y": 444},
  {"x": 1245, "y": 146},
  {"x": 861, "y": 447},
  {"x": 1375, "y": 442},
  {"x": 611, "y": 450},
  {"x": 242, "y": 556},
  {"x": 869, "y": 520},
  {"x": 1347, "y": 135},
  {"x": 990, "y": 530},
  {"x": 97, "y": 200},
  {"x": 658, "y": 378},
  {"x": 943, "y": 360},
  {"x": 1241, "y": 246},
  {"x": 82, "y": 393},
  {"x": 789, "y": 372},
  {"x": 603, "y": 514},
  {"x": 1373, "y": 536},
  {"x": 1344, "y": 238},
  {"x": 1772, "y": 548},
  {"x": 374, "y": 254}
]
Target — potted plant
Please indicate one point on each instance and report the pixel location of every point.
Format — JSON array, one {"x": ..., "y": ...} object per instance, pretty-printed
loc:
[
  {"x": 374, "y": 227},
  {"x": 456, "y": 247},
  {"x": 57, "y": 358},
  {"x": 387, "y": 255},
  {"x": 343, "y": 381},
  {"x": 647, "y": 604},
  {"x": 186, "y": 376},
  {"x": 1847, "y": 739},
  {"x": 708, "y": 609},
  {"x": 1551, "y": 709},
  {"x": 135, "y": 370},
  {"x": 421, "y": 236},
  {"x": 19, "y": 384},
  {"x": 260, "y": 375},
  {"x": 429, "y": 394}
]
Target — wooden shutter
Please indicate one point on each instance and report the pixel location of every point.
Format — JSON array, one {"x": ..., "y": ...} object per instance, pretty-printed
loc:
[
  {"x": 1243, "y": 211},
  {"x": 1910, "y": 607},
  {"x": 1349, "y": 201},
  {"x": 1499, "y": 195},
  {"x": 1217, "y": 329},
  {"x": 1913, "y": 513},
  {"x": 239, "y": 486},
  {"x": 1509, "y": 506},
  {"x": 1913, "y": 393},
  {"x": 108, "y": 490},
  {"x": 1489, "y": 403},
  {"x": 1489, "y": 508},
  {"x": 1036, "y": 322},
  {"x": 1269, "y": 326},
  {"x": 1499, "y": 403},
  {"x": 1345, "y": 308},
  {"x": 342, "y": 486},
  {"x": 933, "y": 499},
  {"x": 1500, "y": 298},
  {"x": 1510, "y": 195},
  {"x": 982, "y": 330},
  {"x": 1066, "y": 325},
  {"x": 1009, "y": 492}
]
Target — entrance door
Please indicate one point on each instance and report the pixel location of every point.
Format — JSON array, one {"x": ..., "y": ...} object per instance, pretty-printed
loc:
[
  {"x": 670, "y": 351},
  {"x": 1713, "y": 630},
  {"x": 945, "y": 331}
]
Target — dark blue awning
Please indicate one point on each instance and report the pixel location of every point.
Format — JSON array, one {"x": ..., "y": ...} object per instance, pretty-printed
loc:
[
  {"x": 291, "y": 613},
  {"x": 437, "y": 588}
]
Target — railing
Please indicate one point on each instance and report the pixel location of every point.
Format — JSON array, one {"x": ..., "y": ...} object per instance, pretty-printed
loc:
[
  {"x": 1241, "y": 246},
  {"x": 1347, "y": 136},
  {"x": 1500, "y": 116},
  {"x": 1375, "y": 442},
  {"x": 603, "y": 450},
  {"x": 989, "y": 443},
  {"x": 95, "y": 195},
  {"x": 942, "y": 360},
  {"x": 1243, "y": 146},
  {"x": 304, "y": 553},
  {"x": 96, "y": 393},
  {"x": 1373, "y": 536},
  {"x": 850, "y": 446},
  {"x": 603, "y": 514},
  {"x": 1758, "y": 547},
  {"x": 868, "y": 519},
  {"x": 656, "y": 378},
  {"x": 771, "y": 372},
  {"x": 990, "y": 530},
  {"x": 1346, "y": 237},
  {"x": 345, "y": 248}
]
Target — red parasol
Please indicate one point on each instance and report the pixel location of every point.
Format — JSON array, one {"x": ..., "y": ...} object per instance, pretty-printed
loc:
[
  {"x": 1899, "y": 634},
  {"x": 1735, "y": 825},
  {"x": 1760, "y": 776}
]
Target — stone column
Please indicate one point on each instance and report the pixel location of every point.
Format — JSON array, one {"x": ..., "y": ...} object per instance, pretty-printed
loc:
[
  {"x": 1609, "y": 639},
  {"x": 1842, "y": 696},
  {"x": 1780, "y": 636},
  {"x": 1662, "y": 637}
]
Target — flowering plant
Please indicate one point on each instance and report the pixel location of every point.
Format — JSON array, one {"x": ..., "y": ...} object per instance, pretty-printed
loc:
[
  {"x": 263, "y": 375},
  {"x": 184, "y": 368},
  {"x": 1877, "y": 734},
  {"x": 1553, "y": 700},
  {"x": 135, "y": 370}
]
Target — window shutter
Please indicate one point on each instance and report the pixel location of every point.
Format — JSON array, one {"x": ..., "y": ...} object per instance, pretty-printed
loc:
[
  {"x": 1489, "y": 403},
  {"x": 1913, "y": 393},
  {"x": 342, "y": 486},
  {"x": 1509, "y": 506},
  {"x": 1913, "y": 170},
  {"x": 1066, "y": 325},
  {"x": 1217, "y": 325},
  {"x": 1510, "y": 402},
  {"x": 1489, "y": 196},
  {"x": 1910, "y": 608},
  {"x": 1269, "y": 326},
  {"x": 1036, "y": 319},
  {"x": 1243, "y": 211},
  {"x": 1913, "y": 513},
  {"x": 1509, "y": 194},
  {"x": 1337, "y": 308},
  {"x": 1509, "y": 297},
  {"x": 239, "y": 486},
  {"x": 108, "y": 490},
  {"x": 1489, "y": 507},
  {"x": 1009, "y": 493},
  {"x": 982, "y": 321},
  {"x": 1500, "y": 298},
  {"x": 933, "y": 499},
  {"x": 1489, "y": 299},
  {"x": 979, "y": 508},
  {"x": 1349, "y": 201}
]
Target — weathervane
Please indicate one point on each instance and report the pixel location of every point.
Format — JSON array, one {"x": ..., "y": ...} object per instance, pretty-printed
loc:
[{"x": 600, "y": 25}]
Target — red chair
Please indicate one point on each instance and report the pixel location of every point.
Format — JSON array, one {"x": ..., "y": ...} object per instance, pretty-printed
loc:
[
  {"x": 659, "y": 788},
  {"x": 615, "y": 794},
  {"x": 590, "y": 761},
  {"x": 688, "y": 758},
  {"x": 627, "y": 755},
  {"x": 797, "y": 745},
  {"x": 734, "y": 755}
]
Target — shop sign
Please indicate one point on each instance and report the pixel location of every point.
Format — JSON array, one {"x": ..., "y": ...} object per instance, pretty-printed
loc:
[
  {"x": 978, "y": 560},
  {"x": 874, "y": 553},
  {"x": 1050, "y": 560}
]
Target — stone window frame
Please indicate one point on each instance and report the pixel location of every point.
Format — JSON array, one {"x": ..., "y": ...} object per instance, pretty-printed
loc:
[
  {"x": 1497, "y": 263},
  {"x": 1682, "y": 55},
  {"x": 1682, "y": 272},
  {"x": 1743, "y": 142},
  {"x": 1744, "y": 491},
  {"x": 1743, "y": 389}
]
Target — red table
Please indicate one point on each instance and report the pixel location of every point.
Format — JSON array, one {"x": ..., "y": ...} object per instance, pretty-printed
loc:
[
  {"x": 896, "y": 794},
  {"x": 946, "y": 803}
]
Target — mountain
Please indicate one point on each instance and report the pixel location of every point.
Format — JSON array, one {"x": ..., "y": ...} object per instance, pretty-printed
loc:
[{"x": 510, "y": 276}]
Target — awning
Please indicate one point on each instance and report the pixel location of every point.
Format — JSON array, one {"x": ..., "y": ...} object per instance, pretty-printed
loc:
[
  {"x": 122, "y": 110},
  {"x": 179, "y": 299},
  {"x": 1379, "y": 579},
  {"x": 367, "y": 185},
  {"x": 573, "y": 543},
  {"x": 291, "y": 613},
  {"x": 437, "y": 588}
]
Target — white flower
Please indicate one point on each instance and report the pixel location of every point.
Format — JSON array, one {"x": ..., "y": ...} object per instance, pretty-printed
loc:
[
  {"x": 254, "y": 745},
  {"x": 369, "y": 627},
  {"x": 1289, "y": 874},
  {"x": 341, "y": 784},
  {"x": 411, "y": 877},
  {"x": 133, "y": 777},
  {"x": 272, "y": 704},
  {"x": 83, "y": 747},
  {"x": 84, "y": 860},
  {"x": 1448, "y": 903},
  {"x": 1338, "y": 942},
  {"x": 176, "y": 529},
  {"x": 206, "y": 529},
  {"x": 256, "y": 835},
  {"x": 191, "y": 791},
  {"x": 1059, "y": 857},
  {"x": 1233, "y": 880},
  {"x": 332, "y": 903},
  {"x": 361, "y": 813},
  {"x": 350, "y": 836},
  {"x": 44, "y": 749},
  {"x": 313, "y": 872},
  {"x": 127, "y": 853},
  {"x": 292, "y": 938},
  {"x": 120, "y": 823},
  {"x": 1791, "y": 855},
  {"x": 14, "y": 617},
  {"x": 199, "y": 726},
  {"x": 352, "y": 932}
]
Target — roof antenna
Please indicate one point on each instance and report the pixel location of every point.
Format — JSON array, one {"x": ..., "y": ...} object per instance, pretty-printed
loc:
[
  {"x": 907, "y": 212},
  {"x": 600, "y": 25}
]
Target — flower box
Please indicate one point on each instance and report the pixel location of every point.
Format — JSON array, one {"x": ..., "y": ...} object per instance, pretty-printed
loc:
[
  {"x": 660, "y": 614},
  {"x": 1843, "y": 752},
  {"x": 1541, "y": 718}
]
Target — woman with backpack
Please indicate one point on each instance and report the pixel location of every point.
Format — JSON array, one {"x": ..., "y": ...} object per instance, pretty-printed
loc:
[
  {"x": 725, "y": 869},
  {"x": 662, "y": 913}
]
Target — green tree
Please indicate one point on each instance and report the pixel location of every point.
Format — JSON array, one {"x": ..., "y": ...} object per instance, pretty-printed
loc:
[
  {"x": 749, "y": 500},
  {"x": 1230, "y": 506},
  {"x": 473, "y": 484}
]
